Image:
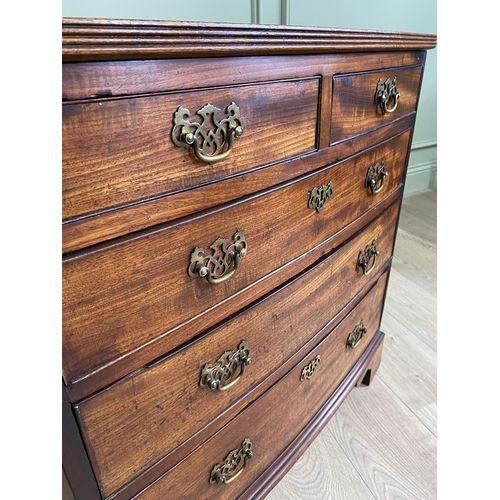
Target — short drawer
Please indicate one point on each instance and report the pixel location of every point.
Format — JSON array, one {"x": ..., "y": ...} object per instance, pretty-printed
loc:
[
  {"x": 119, "y": 151},
  {"x": 123, "y": 295},
  {"x": 162, "y": 406},
  {"x": 356, "y": 103},
  {"x": 288, "y": 406}
]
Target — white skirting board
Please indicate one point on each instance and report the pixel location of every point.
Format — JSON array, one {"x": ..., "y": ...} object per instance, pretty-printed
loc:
[{"x": 422, "y": 168}]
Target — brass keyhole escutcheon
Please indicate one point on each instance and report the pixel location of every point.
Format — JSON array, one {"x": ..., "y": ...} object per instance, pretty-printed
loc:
[
  {"x": 308, "y": 370},
  {"x": 318, "y": 196}
]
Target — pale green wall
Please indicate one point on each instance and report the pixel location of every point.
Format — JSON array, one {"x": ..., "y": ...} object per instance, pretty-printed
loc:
[
  {"x": 238, "y": 11},
  {"x": 398, "y": 15}
]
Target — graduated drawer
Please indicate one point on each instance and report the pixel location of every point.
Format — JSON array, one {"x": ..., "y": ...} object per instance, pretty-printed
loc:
[
  {"x": 134, "y": 423},
  {"x": 121, "y": 296},
  {"x": 119, "y": 151},
  {"x": 355, "y": 107},
  {"x": 274, "y": 420}
]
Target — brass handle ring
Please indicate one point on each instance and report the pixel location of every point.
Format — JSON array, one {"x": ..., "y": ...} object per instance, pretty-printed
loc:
[
  {"x": 365, "y": 256},
  {"x": 354, "y": 338},
  {"x": 220, "y": 376},
  {"x": 376, "y": 175},
  {"x": 210, "y": 145},
  {"x": 387, "y": 94},
  {"x": 223, "y": 262},
  {"x": 203, "y": 271},
  {"x": 233, "y": 465}
]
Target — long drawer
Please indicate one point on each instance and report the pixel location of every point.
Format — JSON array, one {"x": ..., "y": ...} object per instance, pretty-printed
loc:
[
  {"x": 134, "y": 423},
  {"x": 208, "y": 472},
  {"x": 121, "y": 296},
  {"x": 132, "y": 154}
]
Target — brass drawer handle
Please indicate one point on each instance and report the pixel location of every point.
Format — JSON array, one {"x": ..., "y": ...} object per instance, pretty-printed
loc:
[
  {"x": 208, "y": 143},
  {"x": 308, "y": 370},
  {"x": 223, "y": 262},
  {"x": 354, "y": 338},
  {"x": 387, "y": 95},
  {"x": 318, "y": 196},
  {"x": 228, "y": 471},
  {"x": 364, "y": 257},
  {"x": 375, "y": 176},
  {"x": 221, "y": 375}
]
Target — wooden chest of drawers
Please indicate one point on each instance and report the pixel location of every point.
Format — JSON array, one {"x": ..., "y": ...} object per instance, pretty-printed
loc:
[{"x": 230, "y": 202}]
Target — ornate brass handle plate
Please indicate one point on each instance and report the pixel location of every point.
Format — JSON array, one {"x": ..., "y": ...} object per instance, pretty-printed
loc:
[
  {"x": 318, "y": 196},
  {"x": 365, "y": 256},
  {"x": 308, "y": 370},
  {"x": 233, "y": 465},
  {"x": 222, "y": 376},
  {"x": 375, "y": 177},
  {"x": 222, "y": 263},
  {"x": 387, "y": 95},
  {"x": 210, "y": 144},
  {"x": 354, "y": 338}
]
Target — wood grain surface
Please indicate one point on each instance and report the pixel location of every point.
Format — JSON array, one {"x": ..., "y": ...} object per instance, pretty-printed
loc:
[
  {"x": 288, "y": 406},
  {"x": 131, "y": 155},
  {"x": 354, "y": 108},
  {"x": 125, "y": 295},
  {"x": 388, "y": 449},
  {"x": 97, "y": 39},
  {"x": 137, "y": 328},
  {"x": 91, "y": 230},
  {"x": 89, "y": 80}
]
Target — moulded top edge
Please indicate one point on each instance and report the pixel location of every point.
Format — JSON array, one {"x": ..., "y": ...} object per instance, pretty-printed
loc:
[{"x": 86, "y": 39}]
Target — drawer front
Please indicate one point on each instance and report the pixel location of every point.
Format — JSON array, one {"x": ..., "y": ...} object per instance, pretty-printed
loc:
[
  {"x": 164, "y": 405},
  {"x": 119, "y": 151},
  {"x": 356, "y": 109},
  {"x": 125, "y": 295},
  {"x": 273, "y": 421}
]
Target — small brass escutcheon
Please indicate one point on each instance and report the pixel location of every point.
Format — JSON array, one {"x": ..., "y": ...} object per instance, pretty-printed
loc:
[
  {"x": 318, "y": 196},
  {"x": 308, "y": 371},
  {"x": 354, "y": 338},
  {"x": 223, "y": 261},
  {"x": 233, "y": 465},
  {"x": 365, "y": 256},
  {"x": 387, "y": 95},
  {"x": 212, "y": 139},
  {"x": 375, "y": 177},
  {"x": 223, "y": 375}
]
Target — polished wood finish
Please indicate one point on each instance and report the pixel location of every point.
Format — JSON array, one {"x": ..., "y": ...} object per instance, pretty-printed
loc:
[
  {"x": 108, "y": 39},
  {"x": 137, "y": 329},
  {"x": 119, "y": 297},
  {"x": 300, "y": 444},
  {"x": 133, "y": 157},
  {"x": 382, "y": 442},
  {"x": 291, "y": 400},
  {"x": 122, "y": 366},
  {"x": 105, "y": 226},
  {"x": 149, "y": 399},
  {"x": 353, "y": 109},
  {"x": 101, "y": 80}
]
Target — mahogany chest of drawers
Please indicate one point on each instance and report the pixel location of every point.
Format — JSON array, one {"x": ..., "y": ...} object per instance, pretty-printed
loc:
[{"x": 231, "y": 196}]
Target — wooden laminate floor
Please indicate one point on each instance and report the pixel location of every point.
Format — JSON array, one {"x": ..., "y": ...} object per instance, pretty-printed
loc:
[{"x": 382, "y": 442}]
